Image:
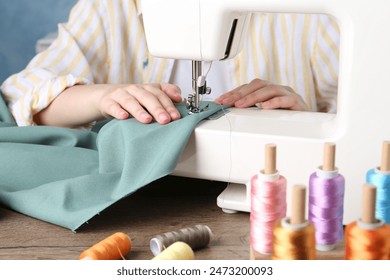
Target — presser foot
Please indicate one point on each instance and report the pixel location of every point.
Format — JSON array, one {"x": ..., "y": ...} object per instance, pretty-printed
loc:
[{"x": 192, "y": 108}]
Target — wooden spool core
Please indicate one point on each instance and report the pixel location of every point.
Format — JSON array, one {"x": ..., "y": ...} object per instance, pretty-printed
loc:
[
  {"x": 298, "y": 205},
  {"x": 385, "y": 165},
  {"x": 368, "y": 207},
  {"x": 329, "y": 157},
  {"x": 270, "y": 159}
]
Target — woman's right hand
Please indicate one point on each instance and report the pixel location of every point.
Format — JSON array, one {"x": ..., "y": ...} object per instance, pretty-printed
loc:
[
  {"x": 144, "y": 102},
  {"x": 80, "y": 105}
]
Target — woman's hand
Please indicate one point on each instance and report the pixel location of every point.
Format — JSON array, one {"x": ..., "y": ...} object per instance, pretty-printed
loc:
[
  {"x": 263, "y": 94},
  {"x": 144, "y": 102},
  {"x": 80, "y": 105}
]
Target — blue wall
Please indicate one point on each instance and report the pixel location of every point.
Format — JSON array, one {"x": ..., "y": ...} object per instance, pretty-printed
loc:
[{"x": 22, "y": 23}]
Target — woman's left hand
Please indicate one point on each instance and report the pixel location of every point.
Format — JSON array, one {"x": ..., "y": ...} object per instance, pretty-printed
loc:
[{"x": 263, "y": 94}]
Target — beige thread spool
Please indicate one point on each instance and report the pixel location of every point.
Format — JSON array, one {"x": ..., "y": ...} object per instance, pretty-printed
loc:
[{"x": 177, "y": 251}]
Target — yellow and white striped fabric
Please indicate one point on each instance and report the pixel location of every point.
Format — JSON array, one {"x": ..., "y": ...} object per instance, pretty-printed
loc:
[
  {"x": 300, "y": 51},
  {"x": 103, "y": 42}
]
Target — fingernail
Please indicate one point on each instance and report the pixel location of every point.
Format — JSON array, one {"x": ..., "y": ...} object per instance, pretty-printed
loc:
[
  {"x": 227, "y": 101},
  {"x": 146, "y": 116},
  {"x": 265, "y": 104},
  {"x": 240, "y": 102},
  {"x": 123, "y": 115},
  {"x": 163, "y": 117},
  {"x": 175, "y": 115}
]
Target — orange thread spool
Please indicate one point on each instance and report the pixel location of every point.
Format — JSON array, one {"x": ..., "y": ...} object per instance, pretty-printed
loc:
[
  {"x": 367, "y": 244},
  {"x": 111, "y": 248},
  {"x": 294, "y": 237},
  {"x": 367, "y": 238},
  {"x": 293, "y": 243}
]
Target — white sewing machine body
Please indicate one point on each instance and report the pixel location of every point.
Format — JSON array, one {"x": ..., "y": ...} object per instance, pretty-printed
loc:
[{"x": 231, "y": 148}]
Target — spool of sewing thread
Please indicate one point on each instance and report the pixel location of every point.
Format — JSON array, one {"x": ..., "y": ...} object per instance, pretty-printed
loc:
[
  {"x": 367, "y": 238},
  {"x": 114, "y": 247},
  {"x": 196, "y": 237},
  {"x": 294, "y": 237},
  {"x": 177, "y": 251},
  {"x": 380, "y": 177},
  {"x": 268, "y": 203},
  {"x": 326, "y": 201}
]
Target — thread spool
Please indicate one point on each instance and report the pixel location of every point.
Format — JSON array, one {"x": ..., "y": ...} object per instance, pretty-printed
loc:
[
  {"x": 367, "y": 238},
  {"x": 114, "y": 247},
  {"x": 326, "y": 201},
  {"x": 380, "y": 177},
  {"x": 294, "y": 237},
  {"x": 268, "y": 203},
  {"x": 196, "y": 237},
  {"x": 176, "y": 251}
]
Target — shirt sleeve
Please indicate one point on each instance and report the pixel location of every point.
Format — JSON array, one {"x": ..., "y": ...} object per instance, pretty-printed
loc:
[
  {"x": 71, "y": 59},
  {"x": 325, "y": 60}
]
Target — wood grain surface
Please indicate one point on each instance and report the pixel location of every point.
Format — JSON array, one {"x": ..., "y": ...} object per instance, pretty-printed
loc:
[{"x": 168, "y": 204}]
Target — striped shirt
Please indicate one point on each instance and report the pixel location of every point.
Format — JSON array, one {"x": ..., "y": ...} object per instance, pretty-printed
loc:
[{"x": 103, "y": 42}]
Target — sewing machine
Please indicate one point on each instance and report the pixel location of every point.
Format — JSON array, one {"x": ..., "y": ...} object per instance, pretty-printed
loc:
[{"x": 231, "y": 148}]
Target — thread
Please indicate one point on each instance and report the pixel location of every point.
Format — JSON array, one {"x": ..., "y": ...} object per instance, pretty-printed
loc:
[
  {"x": 326, "y": 202},
  {"x": 380, "y": 177},
  {"x": 293, "y": 243},
  {"x": 177, "y": 251},
  {"x": 382, "y": 181},
  {"x": 114, "y": 247},
  {"x": 224, "y": 114},
  {"x": 268, "y": 203},
  {"x": 196, "y": 237},
  {"x": 326, "y": 208},
  {"x": 367, "y": 238},
  {"x": 367, "y": 244},
  {"x": 294, "y": 237}
]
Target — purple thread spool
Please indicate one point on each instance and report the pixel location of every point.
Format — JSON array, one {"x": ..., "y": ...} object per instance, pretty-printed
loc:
[{"x": 326, "y": 202}]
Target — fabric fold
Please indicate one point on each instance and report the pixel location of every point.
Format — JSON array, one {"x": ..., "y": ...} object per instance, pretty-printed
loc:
[{"x": 67, "y": 176}]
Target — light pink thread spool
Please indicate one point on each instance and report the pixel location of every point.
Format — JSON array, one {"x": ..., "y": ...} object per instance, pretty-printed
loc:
[{"x": 268, "y": 203}]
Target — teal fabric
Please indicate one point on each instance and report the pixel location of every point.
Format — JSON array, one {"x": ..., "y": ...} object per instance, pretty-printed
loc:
[{"x": 66, "y": 176}]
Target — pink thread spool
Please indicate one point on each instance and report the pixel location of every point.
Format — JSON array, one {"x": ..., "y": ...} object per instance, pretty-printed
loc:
[
  {"x": 326, "y": 201},
  {"x": 268, "y": 203}
]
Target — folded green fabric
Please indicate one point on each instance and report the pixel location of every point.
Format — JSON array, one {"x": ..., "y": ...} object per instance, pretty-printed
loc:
[{"x": 67, "y": 176}]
